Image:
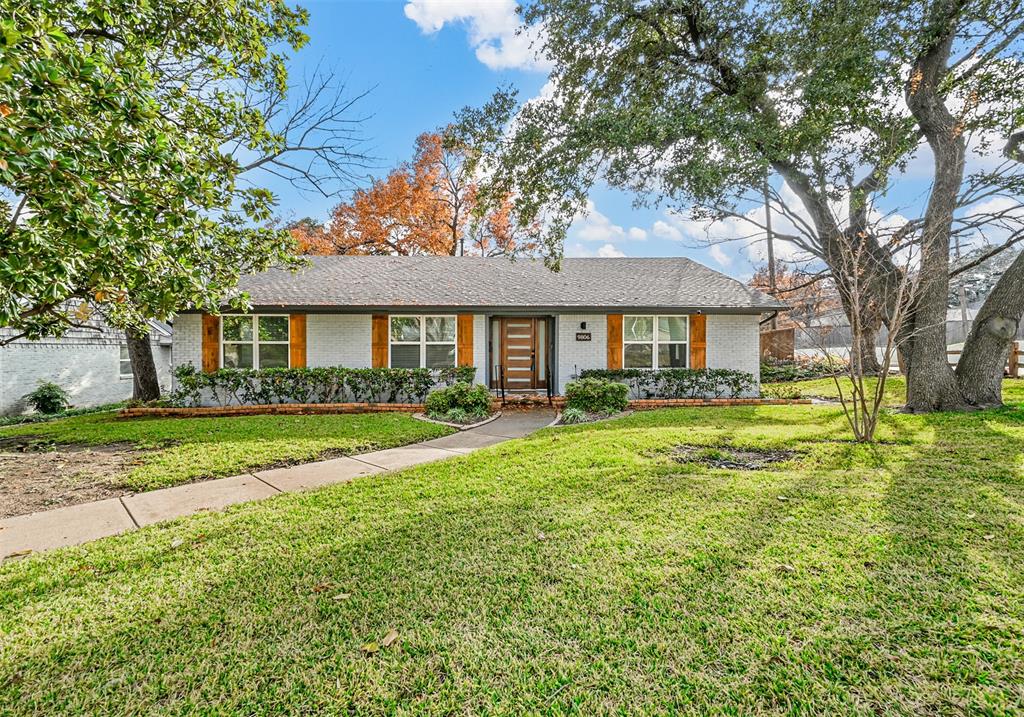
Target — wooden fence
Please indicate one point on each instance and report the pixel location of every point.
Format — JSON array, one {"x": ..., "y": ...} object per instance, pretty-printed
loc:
[{"x": 1013, "y": 363}]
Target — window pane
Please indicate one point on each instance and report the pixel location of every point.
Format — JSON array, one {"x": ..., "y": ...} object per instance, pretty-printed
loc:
[
  {"x": 440, "y": 328},
  {"x": 405, "y": 328},
  {"x": 638, "y": 356},
  {"x": 273, "y": 356},
  {"x": 237, "y": 355},
  {"x": 405, "y": 356},
  {"x": 671, "y": 355},
  {"x": 273, "y": 328},
  {"x": 440, "y": 355},
  {"x": 671, "y": 328},
  {"x": 237, "y": 328},
  {"x": 124, "y": 353},
  {"x": 638, "y": 328}
]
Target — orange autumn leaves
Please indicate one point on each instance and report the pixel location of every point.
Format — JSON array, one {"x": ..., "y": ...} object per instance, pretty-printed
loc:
[{"x": 426, "y": 206}]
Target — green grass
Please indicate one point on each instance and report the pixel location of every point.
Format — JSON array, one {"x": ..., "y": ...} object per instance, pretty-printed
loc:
[
  {"x": 895, "y": 389},
  {"x": 580, "y": 570},
  {"x": 185, "y": 449}
]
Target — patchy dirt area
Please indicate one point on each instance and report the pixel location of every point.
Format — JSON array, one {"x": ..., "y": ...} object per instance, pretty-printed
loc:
[
  {"x": 36, "y": 475},
  {"x": 730, "y": 458}
]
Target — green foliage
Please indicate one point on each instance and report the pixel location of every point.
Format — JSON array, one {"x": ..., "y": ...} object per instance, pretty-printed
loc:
[
  {"x": 596, "y": 395},
  {"x": 115, "y": 120},
  {"x": 37, "y": 418},
  {"x": 574, "y": 415},
  {"x": 330, "y": 384},
  {"x": 475, "y": 400},
  {"x": 678, "y": 382},
  {"x": 781, "y": 390},
  {"x": 774, "y": 371},
  {"x": 48, "y": 398},
  {"x": 457, "y": 415}
]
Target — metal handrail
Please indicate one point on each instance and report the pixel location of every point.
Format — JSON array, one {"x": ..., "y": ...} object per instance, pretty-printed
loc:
[{"x": 500, "y": 371}]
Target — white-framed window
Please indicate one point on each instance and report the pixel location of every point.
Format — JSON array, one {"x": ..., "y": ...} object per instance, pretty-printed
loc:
[
  {"x": 254, "y": 341},
  {"x": 421, "y": 341},
  {"x": 125, "y": 363},
  {"x": 655, "y": 341}
]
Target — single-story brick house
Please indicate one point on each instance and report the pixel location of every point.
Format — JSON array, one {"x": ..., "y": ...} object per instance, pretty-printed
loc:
[{"x": 515, "y": 319}]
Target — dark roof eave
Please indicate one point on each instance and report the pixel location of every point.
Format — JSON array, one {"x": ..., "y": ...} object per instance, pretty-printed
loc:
[{"x": 496, "y": 309}]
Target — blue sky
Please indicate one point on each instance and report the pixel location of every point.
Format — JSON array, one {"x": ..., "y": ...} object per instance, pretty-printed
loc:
[
  {"x": 425, "y": 59},
  {"x": 448, "y": 54}
]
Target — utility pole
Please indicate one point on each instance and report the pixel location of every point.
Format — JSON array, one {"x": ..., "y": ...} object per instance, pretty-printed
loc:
[{"x": 771, "y": 246}]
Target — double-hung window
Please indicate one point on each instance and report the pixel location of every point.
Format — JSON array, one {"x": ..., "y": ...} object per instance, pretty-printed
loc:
[
  {"x": 254, "y": 341},
  {"x": 655, "y": 341},
  {"x": 422, "y": 341},
  {"x": 125, "y": 363}
]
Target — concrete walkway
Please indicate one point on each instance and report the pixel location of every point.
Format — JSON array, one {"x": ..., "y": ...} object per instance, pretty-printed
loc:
[{"x": 76, "y": 524}]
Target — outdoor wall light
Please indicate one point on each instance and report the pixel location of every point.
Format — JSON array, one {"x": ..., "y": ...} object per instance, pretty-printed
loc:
[{"x": 583, "y": 325}]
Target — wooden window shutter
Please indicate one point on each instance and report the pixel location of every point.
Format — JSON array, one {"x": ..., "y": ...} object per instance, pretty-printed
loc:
[
  {"x": 465, "y": 347},
  {"x": 698, "y": 341},
  {"x": 211, "y": 343},
  {"x": 614, "y": 341},
  {"x": 297, "y": 340},
  {"x": 379, "y": 341}
]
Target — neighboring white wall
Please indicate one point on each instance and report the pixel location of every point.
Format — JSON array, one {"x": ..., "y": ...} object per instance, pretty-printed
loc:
[
  {"x": 734, "y": 342},
  {"x": 339, "y": 340},
  {"x": 573, "y": 355},
  {"x": 89, "y": 372}
]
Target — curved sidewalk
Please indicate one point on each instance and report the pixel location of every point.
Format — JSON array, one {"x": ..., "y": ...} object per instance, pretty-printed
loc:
[{"x": 81, "y": 523}]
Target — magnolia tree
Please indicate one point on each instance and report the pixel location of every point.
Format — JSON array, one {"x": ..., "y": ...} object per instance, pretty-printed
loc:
[
  {"x": 694, "y": 103},
  {"x": 125, "y": 131}
]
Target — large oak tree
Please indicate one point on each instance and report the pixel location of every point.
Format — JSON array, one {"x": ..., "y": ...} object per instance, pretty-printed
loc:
[{"x": 694, "y": 102}]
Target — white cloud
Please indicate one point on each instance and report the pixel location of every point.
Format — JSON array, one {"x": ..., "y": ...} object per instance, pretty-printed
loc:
[
  {"x": 665, "y": 230},
  {"x": 494, "y": 28},
  {"x": 593, "y": 226},
  {"x": 720, "y": 257},
  {"x": 608, "y": 251}
]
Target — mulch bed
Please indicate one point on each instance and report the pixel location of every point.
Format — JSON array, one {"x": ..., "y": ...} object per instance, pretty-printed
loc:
[{"x": 730, "y": 458}]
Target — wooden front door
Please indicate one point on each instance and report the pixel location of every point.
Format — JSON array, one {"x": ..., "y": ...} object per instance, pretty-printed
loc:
[{"x": 521, "y": 352}]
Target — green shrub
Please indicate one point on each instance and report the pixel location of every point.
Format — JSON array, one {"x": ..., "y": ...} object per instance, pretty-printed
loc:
[
  {"x": 573, "y": 415},
  {"x": 328, "y": 384},
  {"x": 596, "y": 395},
  {"x": 48, "y": 398},
  {"x": 781, "y": 391},
  {"x": 678, "y": 382},
  {"x": 457, "y": 415},
  {"x": 474, "y": 400},
  {"x": 775, "y": 371}
]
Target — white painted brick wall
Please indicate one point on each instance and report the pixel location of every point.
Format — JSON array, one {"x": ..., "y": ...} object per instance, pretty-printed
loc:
[
  {"x": 90, "y": 373},
  {"x": 188, "y": 340},
  {"x": 734, "y": 343},
  {"x": 480, "y": 347},
  {"x": 339, "y": 340},
  {"x": 576, "y": 355}
]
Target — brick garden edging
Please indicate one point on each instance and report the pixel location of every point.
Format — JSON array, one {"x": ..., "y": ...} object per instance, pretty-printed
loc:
[{"x": 286, "y": 409}]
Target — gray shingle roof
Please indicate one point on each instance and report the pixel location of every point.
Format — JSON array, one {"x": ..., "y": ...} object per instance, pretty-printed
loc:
[{"x": 396, "y": 282}]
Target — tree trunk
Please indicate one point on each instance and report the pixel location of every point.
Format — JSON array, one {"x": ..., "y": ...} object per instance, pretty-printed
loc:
[
  {"x": 144, "y": 376},
  {"x": 980, "y": 369},
  {"x": 931, "y": 384}
]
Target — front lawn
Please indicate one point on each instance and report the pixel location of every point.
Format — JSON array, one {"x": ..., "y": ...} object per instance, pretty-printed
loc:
[
  {"x": 178, "y": 450},
  {"x": 594, "y": 569},
  {"x": 895, "y": 389}
]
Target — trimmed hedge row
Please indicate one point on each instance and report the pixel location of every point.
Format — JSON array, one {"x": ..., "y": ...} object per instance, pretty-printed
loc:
[
  {"x": 678, "y": 382},
  {"x": 329, "y": 384}
]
